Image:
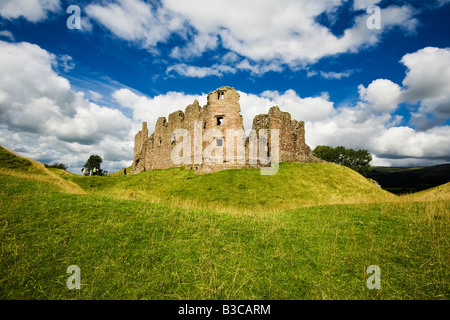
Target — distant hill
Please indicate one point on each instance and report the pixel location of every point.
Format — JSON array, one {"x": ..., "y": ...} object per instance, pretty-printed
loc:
[{"x": 401, "y": 180}]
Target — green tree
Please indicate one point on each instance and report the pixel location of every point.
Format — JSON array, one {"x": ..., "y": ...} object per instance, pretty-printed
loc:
[
  {"x": 326, "y": 153},
  {"x": 94, "y": 161},
  {"x": 358, "y": 160},
  {"x": 61, "y": 166}
]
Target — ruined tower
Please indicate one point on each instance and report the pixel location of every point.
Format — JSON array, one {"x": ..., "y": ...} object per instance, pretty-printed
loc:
[{"x": 219, "y": 126}]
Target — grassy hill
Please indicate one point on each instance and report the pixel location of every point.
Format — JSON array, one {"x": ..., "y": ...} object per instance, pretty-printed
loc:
[
  {"x": 129, "y": 247},
  {"x": 295, "y": 185},
  {"x": 12, "y": 165},
  {"x": 441, "y": 192}
]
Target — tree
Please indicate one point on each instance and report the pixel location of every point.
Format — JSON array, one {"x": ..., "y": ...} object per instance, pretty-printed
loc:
[
  {"x": 358, "y": 160},
  {"x": 61, "y": 166},
  {"x": 94, "y": 161}
]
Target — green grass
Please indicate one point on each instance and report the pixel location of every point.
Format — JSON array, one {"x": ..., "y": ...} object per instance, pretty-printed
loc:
[
  {"x": 120, "y": 172},
  {"x": 9, "y": 160},
  {"x": 295, "y": 185},
  {"x": 136, "y": 249}
]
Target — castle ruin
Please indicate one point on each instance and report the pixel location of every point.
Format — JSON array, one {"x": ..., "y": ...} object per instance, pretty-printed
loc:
[{"x": 220, "y": 115}]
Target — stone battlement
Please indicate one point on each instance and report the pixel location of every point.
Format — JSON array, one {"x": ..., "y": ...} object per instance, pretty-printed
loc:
[{"x": 220, "y": 115}]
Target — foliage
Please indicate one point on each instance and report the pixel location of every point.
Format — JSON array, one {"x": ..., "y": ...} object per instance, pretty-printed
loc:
[
  {"x": 61, "y": 166},
  {"x": 358, "y": 160},
  {"x": 94, "y": 161}
]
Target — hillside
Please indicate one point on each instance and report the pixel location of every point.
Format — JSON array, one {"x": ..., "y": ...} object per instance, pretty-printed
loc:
[
  {"x": 402, "y": 180},
  {"x": 295, "y": 185},
  {"x": 12, "y": 165},
  {"x": 441, "y": 192},
  {"x": 132, "y": 249}
]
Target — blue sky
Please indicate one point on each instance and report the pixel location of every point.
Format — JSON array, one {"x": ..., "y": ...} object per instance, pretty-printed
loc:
[{"x": 66, "y": 94}]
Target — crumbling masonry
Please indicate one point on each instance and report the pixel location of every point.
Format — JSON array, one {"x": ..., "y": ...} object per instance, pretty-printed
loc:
[{"x": 222, "y": 112}]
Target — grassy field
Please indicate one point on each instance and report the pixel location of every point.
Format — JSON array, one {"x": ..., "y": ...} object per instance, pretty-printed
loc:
[{"x": 169, "y": 234}]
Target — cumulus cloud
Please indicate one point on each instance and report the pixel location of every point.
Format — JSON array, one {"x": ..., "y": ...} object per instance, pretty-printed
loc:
[
  {"x": 381, "y": 135},
  {"x": 427, "y": 82},
  {"x": 150, "y": 109},
  {"x": 381, "y": 95},
  {"x": 370, "y": 124},
  {"x": 46, "y": 113},
  {"x": 136, "y": 21},
  {"x": 283, "y": 30},
  {"x": 44, "y": 118},
  {"x": 266, "y": 35},
  {"x": 31, "y": 10}
]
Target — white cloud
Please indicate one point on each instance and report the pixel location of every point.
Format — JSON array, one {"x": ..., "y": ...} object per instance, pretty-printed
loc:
[
  {"x": 219, "y": 70},
  {"x": 195, "y": 72},
  {"x": 405, "y": 142},
  {"x": 371, "y": 123},
  {"x": 196, "y": 47},
  {"x": 66, "y": 62},
  {"x": 283, "y": 30},
  {"x": 428, "y": 73},
  {"x": 428, "y": 82},
  {"x": 45, "y": 118},
  {"x": 381, "y": 95},
  {"x": 150, "y": 109},
  {"x": 31, "y": 10},
  {"x": 7, "y": 34},
  {"x": 95, "y": 96},
  {"x": 334, "y": 75},
  {"x": 380, "y": 136},
  {"x": 49, "y": 118},
  {"x": 136, "y": 21},
  {"x": 364, "y": 4},
  {"x": 266, "y": 34}
]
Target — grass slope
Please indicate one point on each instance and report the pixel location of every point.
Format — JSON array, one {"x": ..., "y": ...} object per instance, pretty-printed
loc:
[
  {"x": 132, "y": 249},
  {"x": 441, "y": 192},
  {"x": 139, "y": 250},
  {"x": 13, "y": 165},
  {"x": 295, "y": 185}
]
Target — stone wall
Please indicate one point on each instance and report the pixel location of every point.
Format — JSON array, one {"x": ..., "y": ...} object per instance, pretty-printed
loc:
[{"x": 221, "y": 113}]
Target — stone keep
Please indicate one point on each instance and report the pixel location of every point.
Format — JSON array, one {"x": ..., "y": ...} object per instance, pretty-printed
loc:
[{"x": 222, "y": 113}]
